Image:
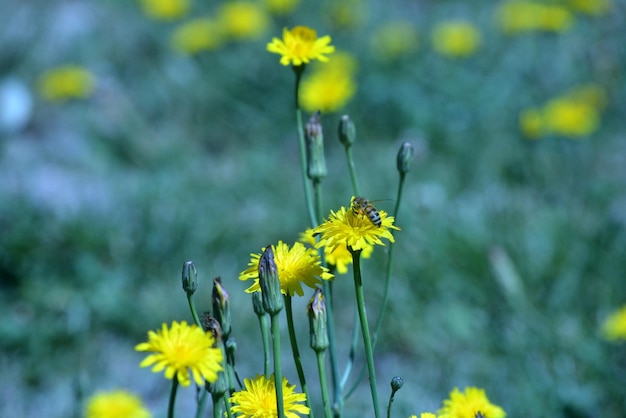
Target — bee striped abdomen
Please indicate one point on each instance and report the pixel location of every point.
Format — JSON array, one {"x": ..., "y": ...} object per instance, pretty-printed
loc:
[{"x": 362, "y": 206}]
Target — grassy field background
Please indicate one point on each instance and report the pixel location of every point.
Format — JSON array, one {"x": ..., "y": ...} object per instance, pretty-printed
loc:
[{"x": 176, "y": 157}]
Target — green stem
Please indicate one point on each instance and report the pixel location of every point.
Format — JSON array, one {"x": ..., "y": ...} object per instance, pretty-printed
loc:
[
  {"x": 367, "y": 342},
  {"x": 192, "y": 308},
  {"x": 170, "y": 408},
  {"x": 278, "y": 371},
  {"x": 332, "y": 346},
  {"x": 352, "y": 169},
  {"x": 323, "y": 383},
  {"x": 266, "y": 345},
  {"x": 296, "y": 352},
  {"x": 228, "y": 406},
  {"x": 217, "y": 405}
]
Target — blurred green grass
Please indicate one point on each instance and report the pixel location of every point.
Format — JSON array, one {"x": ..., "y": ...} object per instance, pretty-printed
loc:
[{"x": 177, "y": 158}]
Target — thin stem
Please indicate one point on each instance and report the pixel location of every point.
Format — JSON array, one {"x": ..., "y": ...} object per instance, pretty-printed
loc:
[
  {"x": 170, "y": 407},
  {"x": 332, "y": 346},
  {"x": 367, "y": 342},
  {"x": 352, "y": 169},
  {"x": 228, "y": 406},
  {"x": 217, "y": 405},
  {"x": 296, "y": 352},
  {"x": 192, "y": 308},
  {"x": 266, "y": 345},
  {"x": 278, "y": 371},
  {"x": 321, "y": 369}
]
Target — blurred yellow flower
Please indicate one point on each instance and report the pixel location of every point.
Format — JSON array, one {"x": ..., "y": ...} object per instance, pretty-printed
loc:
[
  {"x": 66, "y": 82},
  {"x": 300, "y": 45},
  {"x": 614, "y": 327},
  {"x": 330, "y": 86},
  {"x": 455, "y": 38},
  {"x": 243, "y": 20},
  {"x": 523, "y": 16},
  {"x": 165, "y": 9},
  {"x": 469, "y": 404},
  {"x": 181, "y": 349},
  {"x": 591, "y": 7},
  {"x": 197, "y": 35},
  {"x": 281, "y": 7},
  {"x": 115, "y": 404},
  {"x": 393, "y": 40}
]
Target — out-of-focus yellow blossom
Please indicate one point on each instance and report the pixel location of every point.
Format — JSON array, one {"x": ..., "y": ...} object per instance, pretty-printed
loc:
[
  {"x": 115, "y": 404},
  {"x": 525, "y": 16},
  {"x": 614, "y": 327},
  {"x": 590, "y": 7},
  {"x": 330, "y": 86},
  {"x": 243, "y": 20},
  {"x": 281, "y": 7},
  {"x": 197, "y": 35},
  {"x": 165, "y": 9},
  {"x": 66, "y": 82},
  {"x": 455, "y": 38},
  {"x": 573, "y": 115},
  {"x": 393, "y": 40}
]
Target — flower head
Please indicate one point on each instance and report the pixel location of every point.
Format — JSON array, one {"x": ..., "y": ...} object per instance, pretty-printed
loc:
[
  {"x": 66, "y": 82},
  {"x": 456, "y": 38},
  {"x": 330, "y": 86},
  {"x": 300, "y": 45},
  {"x": 296, "y": 266},
  {"x": 353, "y": 228},
  {"x": 258, "y": 399},
  {"x": 115, "y": 404},
  {"x": 197, "y": 35},
  {"x": 165, "y": 9},
  {"x": 518, "y": 16},
  {"x": 614, "y": 327},
  {"x": 339, "y": 257},
  {"x": 469, "y": 404},
  {"x": 180, "y": 349},
  {"x": 243, "y": 20}
]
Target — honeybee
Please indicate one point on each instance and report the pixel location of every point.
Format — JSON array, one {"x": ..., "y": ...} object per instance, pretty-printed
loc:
[{"x": 362, "y": 206}]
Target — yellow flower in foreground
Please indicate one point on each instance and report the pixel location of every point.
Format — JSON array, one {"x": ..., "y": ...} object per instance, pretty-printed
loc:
[
  {"x": 197, "y": 35},
  {"x": 300, "y": 45},
  {"x": 296, "y": 266},
  {"x": 115, "y": 404},
  {"x": 468, "y": 404},
  {"x": 180, "y": 349},
  {"x": 340, "y": 257},
  {"x": 258, "y": 399},
  {"x": 523, "y": 16},
  {"x": 394, "y": 40},
  {"x": 165, "y": 9},
  {"x": 66, "y": 82},
  {"x": 353, "y": 229},
  {"x": 456, "y": 38},
  {"x": 614, "y": 327},
  {"x": 243, "y": 20}
]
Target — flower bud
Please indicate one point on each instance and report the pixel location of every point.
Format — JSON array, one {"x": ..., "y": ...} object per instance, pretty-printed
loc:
[
  {"x": 269, "y": 282},
  {"x": 210, "y": 324},
  {"x": 396, "y": 384},
  {"x": 347, "y": 131},
  {"x": 317, "y": 321},
  {"x": 316, "y": 168},
  {"x": 221, "y": 306},
  {"x": 257, "y": 304},
  {"x": 190, "y": 278},
  {"x": 405, "y": 157}
]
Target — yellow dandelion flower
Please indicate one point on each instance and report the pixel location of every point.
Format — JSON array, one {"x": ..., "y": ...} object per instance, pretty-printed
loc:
[
  {"x": 326, "y": 91},
  {"x": 66, "y": 82},
  {"x": 243, "y": 20},
  {"x": 258, "y": 399},
  {"x": 180, "y": 349},
  {"x": 455, "y": 38},
  {"x": 353, "y": 229},
  {"x": 281, "y": 7},
  {"x": 115, "y": 404},
  {"x": 614, "y": 327},
  {"x": 468, "y": 404},
  {"x": 339, "y": 257},
  {"x": 591, "y": 7},
  {"x": 197, "y": 35},
  {"x": 571, "y": 118},
  {"x": 165, "y": 9},
  {"x": 296, "y": 266},
  {"x": 300, "y": 45},
  {"x": 524, "y": 16},
  {"x": 427, "y": 415},
  {"x": 394, "y": 40}
]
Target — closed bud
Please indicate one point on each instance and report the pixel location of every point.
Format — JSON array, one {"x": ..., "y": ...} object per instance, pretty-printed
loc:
[
  {"x": 257, "y": 304},
  {"x": 347, "y": 131},
  {"x": 317, "y": 321},
  {"x": 396, "y": 384},
  {"x": 270, "y": 283},
  {"x": 405, "y": 157},
  {"x": 190, "y": 278},
  {"x": 210, "y": 324},
  {"x": 316, "y": 168},
  {"x": 221, "y": 306}
]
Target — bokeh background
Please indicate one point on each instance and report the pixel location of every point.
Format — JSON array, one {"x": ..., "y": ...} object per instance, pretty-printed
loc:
[{"x": 136, "y": 135}]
